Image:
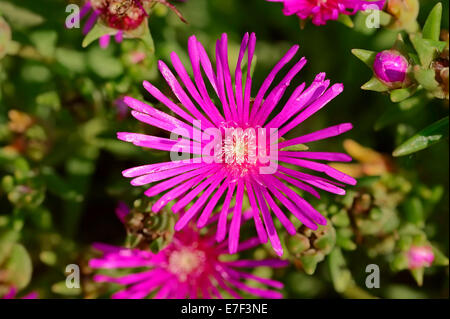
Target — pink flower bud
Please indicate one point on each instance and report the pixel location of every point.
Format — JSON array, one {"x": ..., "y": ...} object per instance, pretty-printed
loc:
[
  {"x": 390, "y": 66},
  {"x": 420, "y": 256}
]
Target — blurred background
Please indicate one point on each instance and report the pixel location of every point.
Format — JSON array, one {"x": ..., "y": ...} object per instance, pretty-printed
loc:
[{"x": 60, "y": 163}]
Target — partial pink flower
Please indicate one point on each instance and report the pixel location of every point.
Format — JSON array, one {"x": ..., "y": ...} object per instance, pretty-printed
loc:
[
  {"x": 191, "y": 266},
  {"x": 122, "y": 211},
  {"x": 320, "y": 11},
  {"x": 202, "y": 182},
  {"x": 12, "y": 293},
  {"x": 122, "y": 108},
  {"x": 122, "y": 16},
  {"x": 420, "y": 256}
]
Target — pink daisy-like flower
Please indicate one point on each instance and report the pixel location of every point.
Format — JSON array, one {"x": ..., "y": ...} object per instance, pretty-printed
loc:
[
  {"x": 235, "y": 173},
  {"x": 320, "y": 11},
  {"x": 189, "y": 267}
]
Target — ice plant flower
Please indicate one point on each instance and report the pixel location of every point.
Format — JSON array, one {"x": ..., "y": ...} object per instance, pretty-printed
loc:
[
  {"x": 320, "y": 11},
  {"x": 390, "y": 66},
  {"x": 240, "y": 167},
  {"x": 191, "y": 266},
  {"x": 420, "y": 256}
]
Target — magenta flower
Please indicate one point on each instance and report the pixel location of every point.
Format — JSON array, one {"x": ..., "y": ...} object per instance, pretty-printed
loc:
[
  {"x": 189, "y": 267},
  {"x": 390, "y": 66},
  {"x": 12, "y": 293},
  {"x": 235, "y": 171},
  {"x": 420, "y": 256},
  {"x": 320, "y": 11}
]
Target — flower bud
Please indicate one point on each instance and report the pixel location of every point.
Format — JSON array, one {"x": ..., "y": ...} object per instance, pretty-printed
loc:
[
  {"x": 420, "y": 256},
  {"x": 390, "y": 67}
]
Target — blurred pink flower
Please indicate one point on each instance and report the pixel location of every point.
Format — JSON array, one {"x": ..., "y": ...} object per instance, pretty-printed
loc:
[
  {"x": 420, "y": 256},
  {"x": 320, "y": 11},
  {"x": 189, "y": 267},
  {"x": 11, "y": 294}
]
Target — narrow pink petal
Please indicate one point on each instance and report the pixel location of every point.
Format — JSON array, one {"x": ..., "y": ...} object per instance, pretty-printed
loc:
[
  {"x": 293, "y": 208},
  {"x": 318, "y": 135},
  {"x": 119, "y": 36},
  {"x": 212, "y": 204},
  {"x": 248, "y": 82},
  {"x": 175, "y": 193},
  {"x": 313, "y": 108},
  {"x": 158, "y": 176},
  {"x": 154, "y": 168},
  {"x": 222, "y": 224},
  {"x": 238, "y": 77},
  {"x": 158, "y": 188},
  {"x": 319, "y": 167},
  {"x": 316, "y": 181},
  {"x": 233, "y": 237},
  {"x": 263, "y": 293},
  {"x": 298, "y": 200},
  {"x": 191, "y": 195},
  {"x": 298, "y": 184},
  {"x": 280, "y": 215},
  {"x": 275, "y": 122},
  {"x": 104, "y": 41},
  {"x": 160, "y": 143},
  {"x": 212, "y": 112},
  {"x": 326, "y": 156},
  {"x": 227, "y": 76},
  {"x": 164, "y": 117},
  {"x": 250, "y": 263},
  {"x": 255, "y": 210},
  {"x": 221, "y": 82},
  {"x": 269, "y": 79},
  {"x": 167, "y": 102},
  {"x": 265, "y": 281},
  {"x": 270, "y": 227},
  {"x": 193, "y": 210},
  {"x": 277, "y": 93},
  {"x": 181, "y": 95},
  {"x": 90, "y": 22}
]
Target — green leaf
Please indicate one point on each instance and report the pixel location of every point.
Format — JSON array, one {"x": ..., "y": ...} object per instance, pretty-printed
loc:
[
  {"x": 145, "y": 35},
  {"x": 368, "y": 57},
  {"x": 104, "y": 64},
  {"x": 61, "y": 288},
  {"x": 345, "y": 20},
  {"x": 423, "y": 139},
  {"x": 5, "y": 37},
  {"x": 426, "y": 78},
  {"x": 72, "y": 60},
  {"x": 7, "y": 241},
  {"x": 432, "y": 26},
  {"x": 427, "y": 49},
  {"x": 401, "y": 111},
  {"x": 45, "y": 41},
  {"x": 20, "y": 17},
  {"x": 96, "y": 33},
  {"x": 18, "y": 267},
  {"x": 402, "y": 94},
  {"x": 374, "y": 85}
]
